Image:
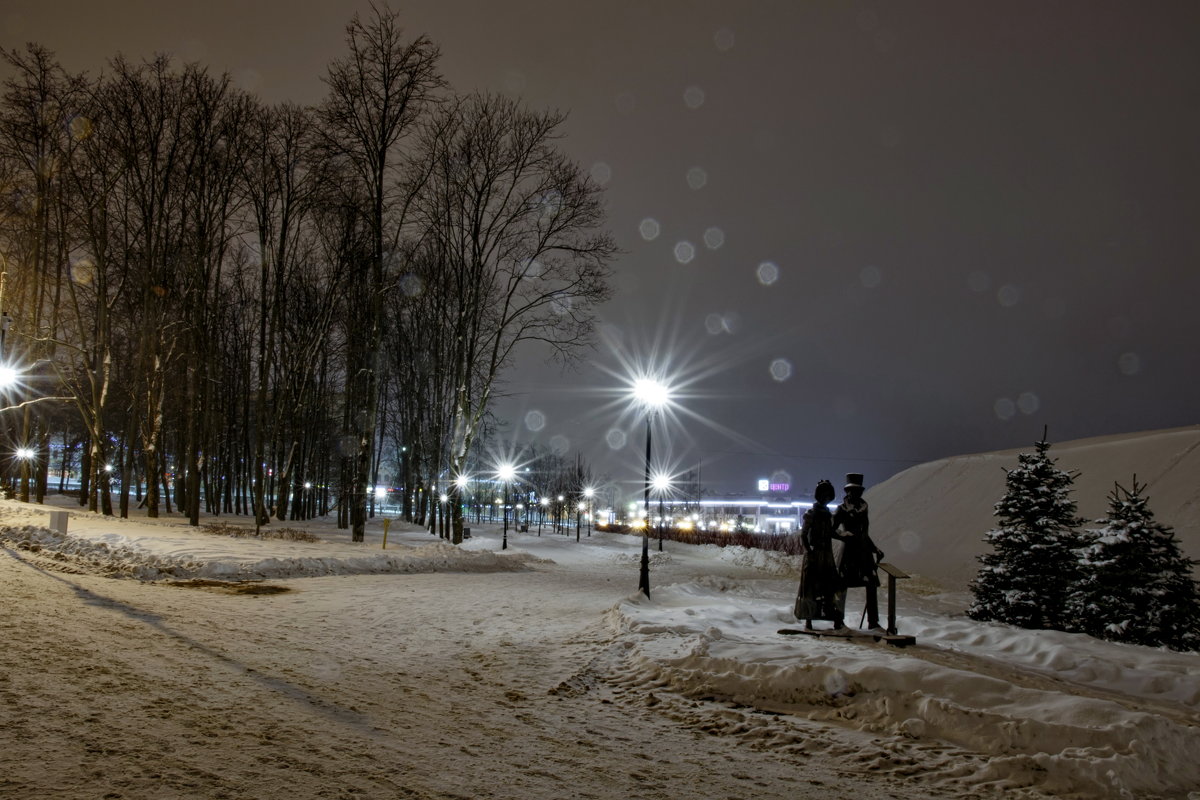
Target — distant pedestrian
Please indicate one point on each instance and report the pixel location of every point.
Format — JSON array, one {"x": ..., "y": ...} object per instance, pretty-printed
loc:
[
  {"x": 821, "y": 594},
  {"x": 858, "y": 562}
]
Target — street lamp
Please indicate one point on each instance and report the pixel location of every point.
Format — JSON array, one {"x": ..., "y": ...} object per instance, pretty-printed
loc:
[
  {"x": 662, "y": 484},
  {"x": 652, "y": 395},
  {"x": 506, "y": 473},
  {"x": 590, "y": 493},
  {"x": 545, "y": 501},
  {"x": 460, "y": 494}
]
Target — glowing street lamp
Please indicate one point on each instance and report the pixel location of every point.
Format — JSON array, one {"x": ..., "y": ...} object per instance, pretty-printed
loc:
[
  {"x": 544, "y": 502},
  {"x": 506, "y": 473},
  {"x": 589, "y": 493},
  {"x": 662, "y": 485},
  {"x": 652, "y": 395},
  {"x": 460, "y": 493}
]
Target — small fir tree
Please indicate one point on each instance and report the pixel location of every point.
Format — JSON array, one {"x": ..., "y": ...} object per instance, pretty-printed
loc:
[
  {"x": 1137, "y": 585},
  {"x": 1027, "y": 578}
]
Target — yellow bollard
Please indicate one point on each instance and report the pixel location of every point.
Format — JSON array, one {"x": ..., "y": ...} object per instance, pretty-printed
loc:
[{"x": 386, "y": 523}]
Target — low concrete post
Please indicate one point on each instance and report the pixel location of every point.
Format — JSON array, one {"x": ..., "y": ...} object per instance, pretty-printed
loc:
[{"x": 58, "y": 521}]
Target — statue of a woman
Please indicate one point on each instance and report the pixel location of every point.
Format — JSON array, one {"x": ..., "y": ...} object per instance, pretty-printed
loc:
[{"x": 821, "y": 592}]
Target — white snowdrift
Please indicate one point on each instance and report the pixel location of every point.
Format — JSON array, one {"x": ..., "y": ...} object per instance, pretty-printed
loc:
[
  {"x": 119, "y": 556},
  {"x": 1043, "y": 707}
]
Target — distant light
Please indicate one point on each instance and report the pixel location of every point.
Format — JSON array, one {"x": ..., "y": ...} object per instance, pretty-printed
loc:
[
  {"x": 462, "y": 481},
  {"x": 307, "y": 485},
  {"x": 8, "y": 376},
  {"x": 108, "y": 467},
  {"x": 589, "y": 492},
  {"x": 506, "y": 472},
  {"x": 24, "y": 452},
  {"x": 381, "y": 491},
  {"x": 443, "y": 497}
]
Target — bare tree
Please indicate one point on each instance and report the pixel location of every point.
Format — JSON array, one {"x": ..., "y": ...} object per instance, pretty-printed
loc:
[
  {"x": 377, "y": 92},
  {"x": 519, "y": 229}
]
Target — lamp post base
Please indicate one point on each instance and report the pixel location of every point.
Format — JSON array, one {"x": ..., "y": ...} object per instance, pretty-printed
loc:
[{"x": 644, "y": 575}]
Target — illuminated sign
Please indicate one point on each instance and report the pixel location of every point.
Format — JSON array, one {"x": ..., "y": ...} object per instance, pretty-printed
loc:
[{"x": 765, "y": 485}]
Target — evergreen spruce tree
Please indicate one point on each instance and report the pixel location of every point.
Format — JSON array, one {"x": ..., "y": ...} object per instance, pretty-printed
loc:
[
  {"x": 1137, "y": 585},
  {"x": 1028, "y": 577}
]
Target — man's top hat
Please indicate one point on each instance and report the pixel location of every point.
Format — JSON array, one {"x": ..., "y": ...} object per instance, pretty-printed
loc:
[{"x": 854, "y": 480}]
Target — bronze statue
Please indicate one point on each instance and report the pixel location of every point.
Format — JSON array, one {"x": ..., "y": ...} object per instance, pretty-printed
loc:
[
  {"x": 821, "y": 594},
  {"x": 858, "y": 562}
]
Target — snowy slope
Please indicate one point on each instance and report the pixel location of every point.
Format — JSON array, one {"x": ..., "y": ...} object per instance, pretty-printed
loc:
[{"x": 931, "y": 519}]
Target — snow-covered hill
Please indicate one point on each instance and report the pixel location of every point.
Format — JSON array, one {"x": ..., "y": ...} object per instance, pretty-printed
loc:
[{"x": 931, "y": 519}]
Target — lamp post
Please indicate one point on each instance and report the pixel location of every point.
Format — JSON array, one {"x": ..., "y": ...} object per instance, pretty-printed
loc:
[
  {"x": 590, "y": 493},
  {"x": 506, "y": 473},
  {"x": 545, "y": 501},
  {"x": 652, "y": 395},
  {"x": 460, "y": 497},
  {"x": 662, "y": 483}
]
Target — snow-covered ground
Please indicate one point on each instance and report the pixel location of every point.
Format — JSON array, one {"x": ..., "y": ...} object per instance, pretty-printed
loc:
[{"x": 972, "y": 708}]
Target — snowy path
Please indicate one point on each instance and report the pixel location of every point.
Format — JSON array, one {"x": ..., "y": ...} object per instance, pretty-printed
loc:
[{"x": 380, "y": 686}]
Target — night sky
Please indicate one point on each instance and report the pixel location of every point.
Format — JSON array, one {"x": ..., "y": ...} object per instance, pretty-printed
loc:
[{"x": 861, "y": 235}]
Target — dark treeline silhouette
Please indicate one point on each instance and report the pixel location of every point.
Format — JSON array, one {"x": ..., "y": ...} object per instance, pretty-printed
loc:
[{"x": 221, "y": 306}]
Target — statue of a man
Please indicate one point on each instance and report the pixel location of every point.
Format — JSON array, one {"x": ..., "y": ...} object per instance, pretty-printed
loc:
[{"x": 860, "y": 557}]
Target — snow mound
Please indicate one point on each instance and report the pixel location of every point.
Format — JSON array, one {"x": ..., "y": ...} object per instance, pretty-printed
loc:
[
  {"x": 931, "y": 518},
  {"x": 1037, "y": 708},
  {"x": 121, "y": 557}
]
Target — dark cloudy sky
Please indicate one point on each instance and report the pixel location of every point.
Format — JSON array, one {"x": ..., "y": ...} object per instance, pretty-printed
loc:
[{"x": 866, "y": 234}]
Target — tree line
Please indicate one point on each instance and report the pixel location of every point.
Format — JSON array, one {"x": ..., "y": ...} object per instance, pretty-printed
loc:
[{"x": 260, "y": 309}]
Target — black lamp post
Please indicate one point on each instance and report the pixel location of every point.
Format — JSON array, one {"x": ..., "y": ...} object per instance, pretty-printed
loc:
[
  {"x": 590, "y": 493},
  {"x": 644, "y": 574},
  {"x": 506, "y": 474},
  {"x": 652, "y": 395}
]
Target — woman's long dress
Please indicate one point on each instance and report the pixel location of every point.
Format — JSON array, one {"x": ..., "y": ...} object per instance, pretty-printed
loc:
[{"x": 820, "y": 583}]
